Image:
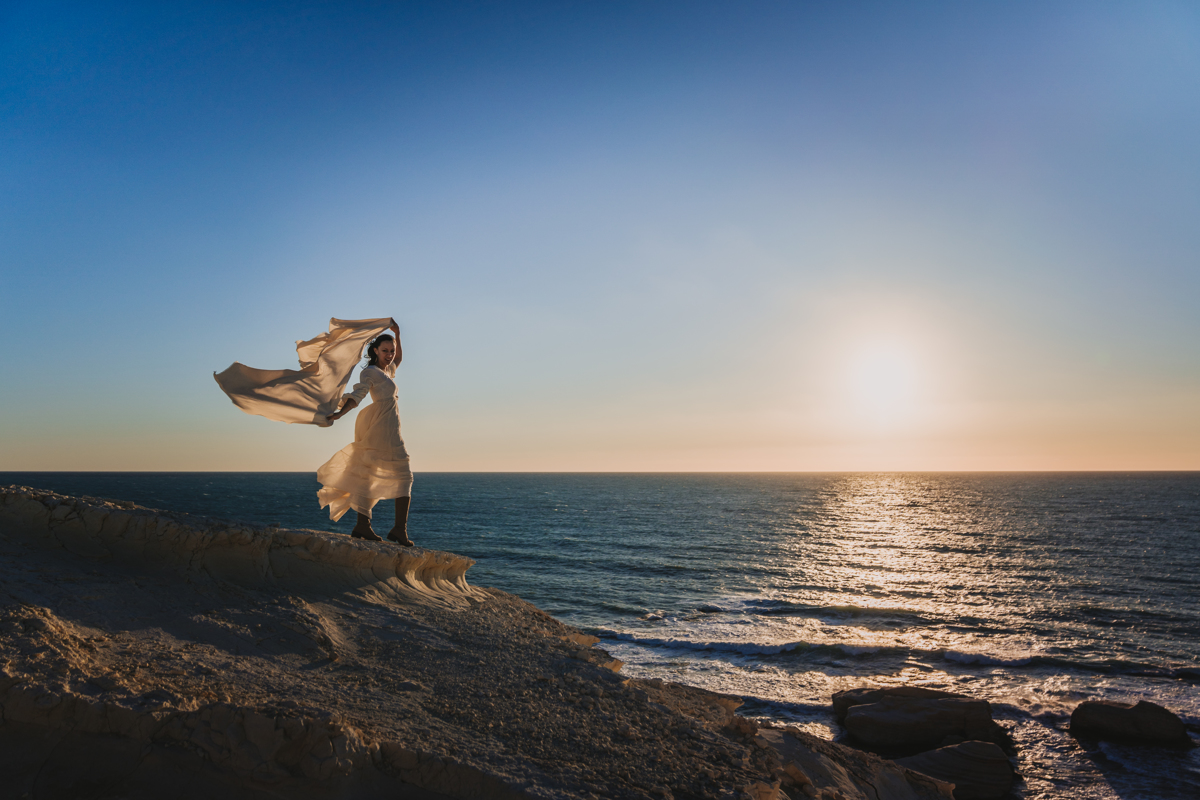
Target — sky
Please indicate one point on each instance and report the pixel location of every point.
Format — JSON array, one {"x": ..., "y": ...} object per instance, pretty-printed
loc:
[{"x": 617, "y": 236}]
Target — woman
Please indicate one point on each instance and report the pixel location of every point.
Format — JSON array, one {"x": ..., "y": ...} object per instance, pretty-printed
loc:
[{"x": 375, "y": 466}]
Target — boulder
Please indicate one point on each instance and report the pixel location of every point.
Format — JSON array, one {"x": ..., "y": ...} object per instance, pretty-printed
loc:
[
  {"x": 813, "y": 767},
  {"x": 978, "y": 770},
  {"x": 844, "y": 701},
  {"x": 913, "y": 724},
  {"x": 1142, "y": 722}
]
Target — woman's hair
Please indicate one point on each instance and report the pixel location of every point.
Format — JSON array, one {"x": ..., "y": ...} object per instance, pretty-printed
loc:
[{"x": 372, "y": 356}]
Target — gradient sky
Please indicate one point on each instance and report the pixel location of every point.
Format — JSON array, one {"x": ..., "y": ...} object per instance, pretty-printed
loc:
[{"x": 616, "y": 235}]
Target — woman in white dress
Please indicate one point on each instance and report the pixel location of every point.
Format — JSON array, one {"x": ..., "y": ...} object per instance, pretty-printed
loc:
[{"x": 375, "y": 466}]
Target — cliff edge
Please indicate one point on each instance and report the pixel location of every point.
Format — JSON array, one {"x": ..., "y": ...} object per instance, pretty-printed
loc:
[{"x": 146, "y": 654}]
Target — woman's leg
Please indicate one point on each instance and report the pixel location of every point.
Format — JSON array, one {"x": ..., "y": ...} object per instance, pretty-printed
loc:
[
  {"x": 363, "y": 529},
  {"x": 400, "y": 532}
]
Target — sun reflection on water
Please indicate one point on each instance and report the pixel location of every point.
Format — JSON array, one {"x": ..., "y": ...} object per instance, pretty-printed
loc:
[{"x": 876, "y": 558}]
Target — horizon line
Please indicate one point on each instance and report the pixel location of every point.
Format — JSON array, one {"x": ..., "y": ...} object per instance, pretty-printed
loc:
[{"x": 618, "y": 472}]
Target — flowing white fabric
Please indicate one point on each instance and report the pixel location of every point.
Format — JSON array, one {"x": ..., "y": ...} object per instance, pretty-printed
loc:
[
  {"x": 375, "y": 465},
  {"x": 309, "y": 394}
]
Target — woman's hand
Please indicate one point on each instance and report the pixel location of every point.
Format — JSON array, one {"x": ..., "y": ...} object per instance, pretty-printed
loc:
[
  {"x": 395, "y": 328},
  {"x": 351, "y": 403}
]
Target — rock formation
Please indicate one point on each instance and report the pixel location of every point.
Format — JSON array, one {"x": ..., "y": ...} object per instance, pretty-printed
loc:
[
  {"x": 978, "y": 770},
  {"x": 912, "y": 719},
  {"x": 146, "y": 654},
  {"x": 844, "y": 701},
  {"x": 1143, "y": 722},
  {"x": 812, "y": 767},
  {"x": 947, "y": 736}
]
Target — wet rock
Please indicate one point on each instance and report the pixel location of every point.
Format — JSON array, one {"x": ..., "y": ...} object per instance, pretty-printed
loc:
[
  {"x": 844, "y": 701},
  {"x": 1142, "y": 722},
  {"x": 978, "y": 770},
  {"x": 914, "y": 724}
]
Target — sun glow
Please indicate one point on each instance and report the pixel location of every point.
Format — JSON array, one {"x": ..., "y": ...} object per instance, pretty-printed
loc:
[{"x": 883, "y": 383}]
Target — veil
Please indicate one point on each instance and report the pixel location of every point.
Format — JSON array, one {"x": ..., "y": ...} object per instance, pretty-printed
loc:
[{"x": 308, "y": 394}]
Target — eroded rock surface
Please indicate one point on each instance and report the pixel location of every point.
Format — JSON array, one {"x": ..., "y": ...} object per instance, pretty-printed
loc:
[
  {"x": 198, "y": 550},
  {"x": 145, "y": 654},
  {"x": 812, "y": 767}
]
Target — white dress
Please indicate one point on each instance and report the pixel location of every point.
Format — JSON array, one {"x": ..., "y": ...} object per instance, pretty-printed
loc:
[{"x": 375, "y": 465}]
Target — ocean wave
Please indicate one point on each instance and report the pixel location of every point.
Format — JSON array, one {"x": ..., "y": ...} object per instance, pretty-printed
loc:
[
  {"x": 1131, "y": 668},
  {"x": 766, "y": 707},
  {"x": 987, "y": 659},
  {"x": 961, "y": 657},
  {"x": 1106, "y": 667},
  {"x": 789, "y": 608},
  {"x": 741, "y": 648}
]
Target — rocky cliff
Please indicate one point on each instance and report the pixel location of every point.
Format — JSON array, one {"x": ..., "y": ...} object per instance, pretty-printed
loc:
[{"x": 150, "y": 654}]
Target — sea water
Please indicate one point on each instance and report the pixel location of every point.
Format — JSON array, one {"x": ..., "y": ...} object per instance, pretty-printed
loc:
[{"x": 1033, "y": 591}]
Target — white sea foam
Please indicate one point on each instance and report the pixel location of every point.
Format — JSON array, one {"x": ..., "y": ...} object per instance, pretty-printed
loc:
[
  {"x": 745, "y": 648},
  {"x": 742, "y": 647},
  {"x": 859, "y": 649},
  {"x": 986, "y": 659}
]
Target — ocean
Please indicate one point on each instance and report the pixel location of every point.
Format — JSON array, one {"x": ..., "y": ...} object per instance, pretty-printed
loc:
[{"x": 1034, "y": 591}]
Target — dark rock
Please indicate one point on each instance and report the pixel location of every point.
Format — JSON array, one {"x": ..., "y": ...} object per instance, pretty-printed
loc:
[
  {"x": 978, "y": 770},
  {"x": 899, "y": 724},
  {"x": 844, "y": 701},
  {"x": 1143, "y": 722}
]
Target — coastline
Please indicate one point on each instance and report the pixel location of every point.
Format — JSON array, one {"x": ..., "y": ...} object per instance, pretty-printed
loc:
[{"x": 263, "y": 660}]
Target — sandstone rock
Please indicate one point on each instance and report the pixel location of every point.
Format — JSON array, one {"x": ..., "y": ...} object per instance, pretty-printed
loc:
[
  {"x": 1144, "y": 722},
  {"x": 764, "y": 791},
  {"x": 978, "y": 770},
  {"x": 268, "y": 558},
  {"x": 163, "y": 655},
  {"x": 818, "y": 768}
]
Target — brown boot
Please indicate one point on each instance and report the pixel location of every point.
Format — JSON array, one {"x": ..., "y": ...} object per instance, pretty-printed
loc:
[
  {"x": 363, "y": 530},
  {"x": 399, "y": 534}
]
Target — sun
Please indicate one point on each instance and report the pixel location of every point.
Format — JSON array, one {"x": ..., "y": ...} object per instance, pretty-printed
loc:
[{"x": 883, "y": 382}]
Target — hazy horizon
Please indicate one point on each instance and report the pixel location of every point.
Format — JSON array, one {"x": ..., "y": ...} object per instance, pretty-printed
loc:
[{"x": 633, "y": 472}]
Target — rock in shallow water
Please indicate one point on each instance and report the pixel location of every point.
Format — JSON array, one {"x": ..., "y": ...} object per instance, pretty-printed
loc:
[
  {"x": 1144, "y": 722},
  {"x": 978, "y": 770},
  {"x": 844, "y": 701},
  {"x": 910, "y": 719}
]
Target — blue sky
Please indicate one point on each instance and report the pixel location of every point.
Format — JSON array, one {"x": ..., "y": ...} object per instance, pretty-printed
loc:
[{"x": 617, "y": 236}]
